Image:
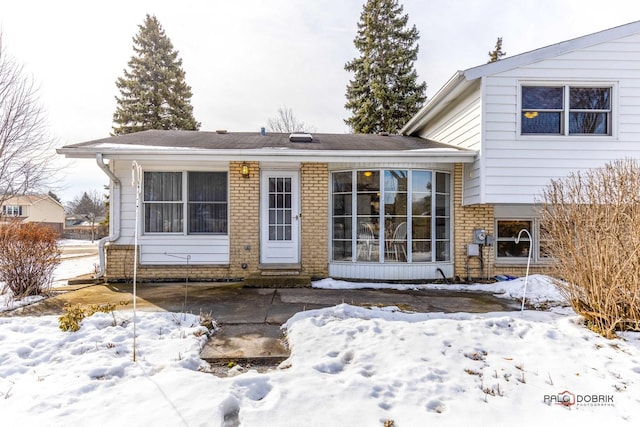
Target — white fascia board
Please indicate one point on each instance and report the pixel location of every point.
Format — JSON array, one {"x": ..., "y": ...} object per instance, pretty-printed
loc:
[{"x": 281, "y": 155}]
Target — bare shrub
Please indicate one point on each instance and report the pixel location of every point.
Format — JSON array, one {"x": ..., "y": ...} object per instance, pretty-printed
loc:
[
  {"x": 590, "y": 225},
  {"x": 29, "y": 254}
]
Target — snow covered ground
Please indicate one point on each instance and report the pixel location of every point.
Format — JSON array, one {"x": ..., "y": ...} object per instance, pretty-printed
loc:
[{"x": 349, "y": 366}]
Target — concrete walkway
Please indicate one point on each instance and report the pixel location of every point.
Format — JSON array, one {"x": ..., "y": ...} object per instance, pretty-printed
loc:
[{"x": 250, "y": 318}]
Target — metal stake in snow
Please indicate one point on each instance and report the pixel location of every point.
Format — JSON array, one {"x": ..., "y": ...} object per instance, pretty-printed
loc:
[
  {"x": 526, "y": 276},
  {"x": 136, "y": 181}
]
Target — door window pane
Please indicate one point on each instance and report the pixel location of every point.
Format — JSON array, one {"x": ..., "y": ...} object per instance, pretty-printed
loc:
[{"x": 280, "y": 212}]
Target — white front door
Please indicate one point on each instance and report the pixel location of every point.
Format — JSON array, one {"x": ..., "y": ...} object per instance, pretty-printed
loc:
[{"x": 279, "y": 218}]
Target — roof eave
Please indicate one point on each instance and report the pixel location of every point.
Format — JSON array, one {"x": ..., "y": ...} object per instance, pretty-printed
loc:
[
  {"x": 456, "y": 84},
  {"x": 281, "y": 155}
]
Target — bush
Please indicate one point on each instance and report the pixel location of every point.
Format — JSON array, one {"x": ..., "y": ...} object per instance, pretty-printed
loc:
[
  {"x": 74, "y": 314},
  {"x": 590, "y": 224},
  {"x": 29, "y": 254}
]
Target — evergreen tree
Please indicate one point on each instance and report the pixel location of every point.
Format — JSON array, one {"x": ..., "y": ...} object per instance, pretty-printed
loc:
[
  {"x": 384, "y": 93},
  {"x": 497, "y": 53},
  {"x": 153, "y": 91}
]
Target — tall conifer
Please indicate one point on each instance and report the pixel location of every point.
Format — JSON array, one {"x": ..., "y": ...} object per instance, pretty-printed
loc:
[
  {"x": 153, "y": 91},
  {"x": 384, "y": 92}
]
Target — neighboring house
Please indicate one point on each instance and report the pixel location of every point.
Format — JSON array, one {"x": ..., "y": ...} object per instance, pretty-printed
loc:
[
  {"x": 40, "y": 208},
  {"x": 226, "y": 206},
  {"x": 535, "y": 117}
]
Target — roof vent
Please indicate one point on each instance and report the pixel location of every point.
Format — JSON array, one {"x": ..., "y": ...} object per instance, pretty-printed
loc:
[
  {"x": 300, "y": 137},
  {"x": 221, "y": 131}
]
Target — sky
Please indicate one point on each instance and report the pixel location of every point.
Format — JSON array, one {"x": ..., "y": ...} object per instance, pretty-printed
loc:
[
  {"x": 245, "y": 59},
  {"x": 348, "y": 366}
]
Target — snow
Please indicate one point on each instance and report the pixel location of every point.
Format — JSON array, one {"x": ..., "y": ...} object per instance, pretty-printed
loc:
[{"x": 349, "y": 366}]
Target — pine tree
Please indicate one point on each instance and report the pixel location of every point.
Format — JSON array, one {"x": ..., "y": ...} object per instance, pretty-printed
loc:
[
  {"x": 153, "y": 91},
  {"x": 497, "y": 53},
  {"x": 384, "y": 93}
]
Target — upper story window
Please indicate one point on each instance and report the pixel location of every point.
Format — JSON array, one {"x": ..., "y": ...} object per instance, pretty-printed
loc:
[
  {"x": 12, "y": 210},
  {"x": 205, "y": 203},
  {"x": 566, "y": 110}
]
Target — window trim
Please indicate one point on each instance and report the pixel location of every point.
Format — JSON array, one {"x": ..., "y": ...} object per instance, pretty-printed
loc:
[
  {"x": 380, "y": 242},
  {"x": 16, "y": 210},
  {"x": 185, "y": 202},
  {"x": 536, "y": 257},
  {"x": 565, "y": 135}
]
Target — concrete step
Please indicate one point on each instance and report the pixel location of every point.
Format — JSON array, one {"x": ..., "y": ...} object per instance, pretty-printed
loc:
[
  {"x": 246, "y": 343},
  {"x": 271, "y": 280}
]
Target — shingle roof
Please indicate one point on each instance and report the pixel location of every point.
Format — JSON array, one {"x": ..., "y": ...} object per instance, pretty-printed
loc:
[{"x": 250, "y": 141}]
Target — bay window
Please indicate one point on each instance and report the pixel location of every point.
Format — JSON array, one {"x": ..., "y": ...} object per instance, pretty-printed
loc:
[{"x": 391, "y": 216}]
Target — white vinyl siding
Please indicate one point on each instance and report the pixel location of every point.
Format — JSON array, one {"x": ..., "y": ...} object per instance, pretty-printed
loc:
[
  {"x": 518, "y": 167},
  {"x": 461, "y": 126},
  {"x": 163, "y": 249}
]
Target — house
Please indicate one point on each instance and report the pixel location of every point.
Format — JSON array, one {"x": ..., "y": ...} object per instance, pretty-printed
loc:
[
  {"x": 40, "y": 208},
  {"x": 445, "y": 199},
  {"x": 225, "y": 205},
  {"x": 531, "y": 118}
]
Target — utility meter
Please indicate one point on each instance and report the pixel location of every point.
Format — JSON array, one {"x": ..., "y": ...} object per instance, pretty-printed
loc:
[{"x": 479, "y": 236}]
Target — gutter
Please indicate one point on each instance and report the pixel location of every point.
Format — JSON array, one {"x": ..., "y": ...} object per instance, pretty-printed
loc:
[{"x": 114, "y": 207}]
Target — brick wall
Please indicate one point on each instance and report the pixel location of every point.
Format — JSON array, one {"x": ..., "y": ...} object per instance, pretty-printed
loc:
[
  {"x": 244, "y": 232},
  {"x": 314, "y": 186},
  {"x": 465, "y": 220},
  {"x": 244, "y": 217},
  {"x": 244, "y": 240}
]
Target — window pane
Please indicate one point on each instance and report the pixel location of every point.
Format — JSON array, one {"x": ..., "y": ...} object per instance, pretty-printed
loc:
[
  {"x": 207, "y": 186},
  {"x": 442, "y": 205},
  {"x": 368, "y": 204},
  {"x": 542, "y": 98},
  {"x": 162, "y": 186},
  {"x": 163, "y": 217},
  {"x": 395, "y": 180},
  {"x": 589, "y": 98},
  {"x": 421, "y": 204},
  {"x": 421, "y": 228},
  {"x": 396, "y": 240},
  {"x": 421, "y": 181},
  {"x": 342, "y": 182},
  {"x": 342, "y": 250},
  {"x": 342, "y": 228},
  {"x": 442, "y": 182},
  {"x": 207, "y": 218},
  {"x": 342, "y": 211},
  {"x": 442, "y": 250},
  {"x": 511, "y": 229},
  {"x": 207, "y": 202},
  {"x": 342, "y": 204},
  {"x": 589, "y": 123},
  {"x": 511, "y": 249},
  {"x": 421, "y": 251},
  {"x": 507, "y": 232},
  {"x": 395, "y": 203},
  {"x": 367, "y": 240},
  {"x": 368, "y": 181},
  {"x": 541, "y": 122}
]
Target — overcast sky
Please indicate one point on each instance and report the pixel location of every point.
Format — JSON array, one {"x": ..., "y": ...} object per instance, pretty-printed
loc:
[{"x": 246, "y": 58}]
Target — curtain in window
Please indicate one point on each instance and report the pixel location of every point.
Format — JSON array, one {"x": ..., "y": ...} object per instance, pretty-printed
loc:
[
  {"x": 163, "y": 212},
  {"x": 207, "y": 202}
]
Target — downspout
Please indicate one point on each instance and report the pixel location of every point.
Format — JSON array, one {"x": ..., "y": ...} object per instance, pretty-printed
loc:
[{"x": 114, "y": 207}]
